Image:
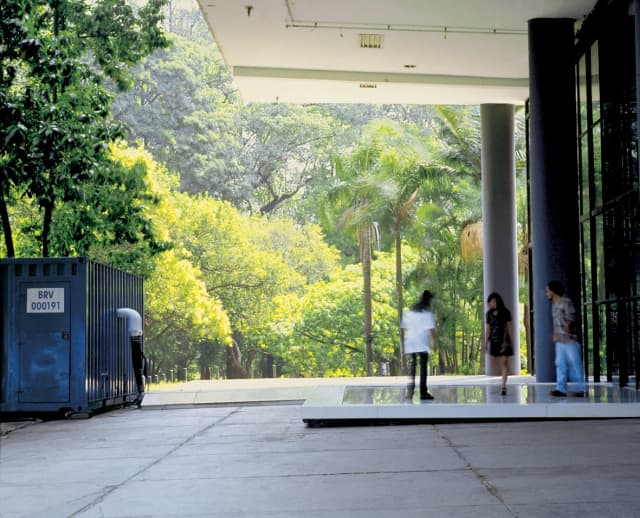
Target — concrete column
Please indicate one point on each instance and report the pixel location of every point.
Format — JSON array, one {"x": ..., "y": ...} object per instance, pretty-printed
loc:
[
  {"x": 553, "y": 176},
  {"x": 499, "y": 236},
  {"x": 636, "y": 5}
]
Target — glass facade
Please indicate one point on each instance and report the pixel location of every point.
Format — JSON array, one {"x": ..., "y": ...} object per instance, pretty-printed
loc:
[{"x": 609, "y": 192}]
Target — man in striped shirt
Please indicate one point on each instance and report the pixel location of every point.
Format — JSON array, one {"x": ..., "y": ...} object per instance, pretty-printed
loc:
[{"x": 568, "y": 360}]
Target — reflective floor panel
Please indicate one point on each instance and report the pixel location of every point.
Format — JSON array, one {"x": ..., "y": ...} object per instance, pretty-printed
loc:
[{"x": 467, "y": 402}]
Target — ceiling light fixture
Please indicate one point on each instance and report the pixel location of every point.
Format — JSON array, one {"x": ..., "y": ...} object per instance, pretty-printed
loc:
[
  {"x": 292, "y": 23},
  {"x": 406, "y": 28},
  {"x": 371, "y": 41}
]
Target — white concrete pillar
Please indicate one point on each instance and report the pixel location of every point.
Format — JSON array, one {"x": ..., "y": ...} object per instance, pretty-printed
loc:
[{"x": 499, "y": 235}]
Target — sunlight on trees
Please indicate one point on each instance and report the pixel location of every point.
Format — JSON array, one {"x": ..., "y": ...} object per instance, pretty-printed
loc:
[{"x": 273, "y": 239}]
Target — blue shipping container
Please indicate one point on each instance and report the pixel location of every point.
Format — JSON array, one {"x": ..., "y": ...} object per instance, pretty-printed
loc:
[{"x": 64, "y": 348}]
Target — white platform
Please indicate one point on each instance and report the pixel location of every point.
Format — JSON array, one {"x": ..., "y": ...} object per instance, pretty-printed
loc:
[{"x": 466, "y": 402}]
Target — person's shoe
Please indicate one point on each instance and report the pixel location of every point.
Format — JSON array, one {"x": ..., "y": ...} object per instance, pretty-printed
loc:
[
  {"x": 426, "y": 395},
  {"x": 579, "y": 394},
  {"x": 557, "y": 393},
  {"x": 503, "y": 391}
]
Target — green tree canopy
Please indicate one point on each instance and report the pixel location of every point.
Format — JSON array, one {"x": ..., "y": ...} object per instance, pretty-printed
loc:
[{"x": 56, "y": 123}]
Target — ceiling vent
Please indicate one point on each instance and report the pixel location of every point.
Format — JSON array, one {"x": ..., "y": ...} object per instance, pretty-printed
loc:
[{"x": 371, "y": 41}]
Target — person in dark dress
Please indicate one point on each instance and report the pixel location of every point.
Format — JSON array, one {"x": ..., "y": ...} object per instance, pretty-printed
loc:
[{"x": 498, "y": 339}]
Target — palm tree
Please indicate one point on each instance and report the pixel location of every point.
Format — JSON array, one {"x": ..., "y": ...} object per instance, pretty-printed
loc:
[
  {"x": 355, "y": 203},
  {"x": 449, "y": 202},
  {"x": 403, "y": 161},
  {"x": 459, "y": 131},
  {"x": 459, "y": 137}
]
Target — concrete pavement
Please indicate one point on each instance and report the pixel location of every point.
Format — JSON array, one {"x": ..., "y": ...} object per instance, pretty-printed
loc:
[{"x": 252, "y": 460}]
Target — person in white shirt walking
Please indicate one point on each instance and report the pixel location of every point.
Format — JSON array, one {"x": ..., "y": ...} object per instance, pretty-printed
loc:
[{"x": 419, "y": 339}]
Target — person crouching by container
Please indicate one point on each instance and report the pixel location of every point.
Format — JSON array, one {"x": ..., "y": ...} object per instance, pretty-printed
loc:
[
  {"x": 498, "y": 339},
  {"x": 419, "y": 325}
]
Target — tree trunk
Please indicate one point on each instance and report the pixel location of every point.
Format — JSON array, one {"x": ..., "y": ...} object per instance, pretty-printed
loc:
[
  {"x": 463, "y": 348},
  {"x": 235, "y": 370},
  {"x": 527, "y": 333},
  {"x": 46, "y": 228},
  {"x": 441, "y": 365},
  {"x": 205, "y": 359},
  {"x": 171, "y": 9},
  {"x": 366, "y": 275},
  {"x": 399, "y": 288},
  {"x": 6, "y": 228}
]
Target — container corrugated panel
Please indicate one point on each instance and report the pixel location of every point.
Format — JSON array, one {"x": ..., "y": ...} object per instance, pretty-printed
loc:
[
  {"x": 110, "y": 376},
  {"x": 63, "y": 347}
]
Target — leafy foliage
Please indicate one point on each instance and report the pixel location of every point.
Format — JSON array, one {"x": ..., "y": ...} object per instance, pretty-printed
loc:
[
  {"x": 180, "y": 314},
  {"x": 58, "y": 125},
  {"x": 320, "y": 332},
  {"x": 247, "y": 262},
  {"x": 217, "y": 203},
  {"x": 259, "y": 157}
]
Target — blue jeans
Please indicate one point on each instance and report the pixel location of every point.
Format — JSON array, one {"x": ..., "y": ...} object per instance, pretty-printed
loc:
[{"x": 568, "y": 363}]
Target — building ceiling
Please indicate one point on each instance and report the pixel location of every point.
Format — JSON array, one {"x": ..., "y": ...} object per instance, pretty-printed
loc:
[{"x": 381, "y": 51}]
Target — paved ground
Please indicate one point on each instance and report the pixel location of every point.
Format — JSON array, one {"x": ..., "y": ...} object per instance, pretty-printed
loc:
[{"x": 240, "y": 460}]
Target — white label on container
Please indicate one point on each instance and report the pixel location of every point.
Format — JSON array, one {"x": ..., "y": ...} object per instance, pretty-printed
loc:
[{"x": 45, "y": 300}]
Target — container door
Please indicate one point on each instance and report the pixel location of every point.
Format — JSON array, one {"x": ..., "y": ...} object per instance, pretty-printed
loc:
[{"x": 43, "y": 323}]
